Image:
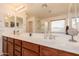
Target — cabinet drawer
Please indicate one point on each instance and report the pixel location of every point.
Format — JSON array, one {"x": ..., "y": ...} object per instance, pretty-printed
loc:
[
  {"x": 18, "y": 48},
  {"x": 10, "y": 39},
  {"x": 46, "y": 51},
  {"x": 18, "y": 42},
  {"x": 17, "y": 53},
  {"x": 5, "y": 47},
  {"x": 30, "y": 46},
  {"x": 4, "y": 38},
  {"x": 26, "y": 52}
]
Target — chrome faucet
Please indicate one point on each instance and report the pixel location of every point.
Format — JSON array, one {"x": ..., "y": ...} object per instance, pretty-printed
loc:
[{"x": 15, "y": 32}]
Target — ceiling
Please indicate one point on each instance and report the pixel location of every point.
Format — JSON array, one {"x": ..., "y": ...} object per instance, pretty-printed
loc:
[
  {"x": 36, "y": 9},
  {"x": 51, "y": 10}
]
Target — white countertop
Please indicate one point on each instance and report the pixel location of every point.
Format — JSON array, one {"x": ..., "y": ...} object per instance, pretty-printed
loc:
[{"x": 60, "y": 42}]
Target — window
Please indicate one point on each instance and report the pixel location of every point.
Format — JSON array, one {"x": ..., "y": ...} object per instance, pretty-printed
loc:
[
  {"x": 75, "y": 23},
  {"x": 58, "y": 26}
]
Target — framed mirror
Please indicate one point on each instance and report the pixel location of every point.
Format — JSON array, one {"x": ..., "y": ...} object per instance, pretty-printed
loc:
[
  {"x": 9, "y": 21},
  {"x": 19, "y": 22}
]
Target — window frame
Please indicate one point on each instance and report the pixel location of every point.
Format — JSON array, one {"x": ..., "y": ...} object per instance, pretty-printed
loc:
[
  {"x": 64, "y": 25},
  {"x": 75, "y": 24}
]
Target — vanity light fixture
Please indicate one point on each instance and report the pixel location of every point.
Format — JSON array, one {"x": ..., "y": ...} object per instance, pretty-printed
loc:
[
  {"x": 20, "y": 8},
  {"x": 44, "y": 5}
]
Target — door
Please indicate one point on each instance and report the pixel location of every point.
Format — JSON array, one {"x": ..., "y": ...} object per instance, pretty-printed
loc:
[{"x": 30, "y": 27}]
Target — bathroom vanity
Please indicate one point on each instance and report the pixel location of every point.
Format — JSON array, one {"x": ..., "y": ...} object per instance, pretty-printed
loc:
[
  {"x": 14, "y": 45},
  {"x": 30, "y": 32}
]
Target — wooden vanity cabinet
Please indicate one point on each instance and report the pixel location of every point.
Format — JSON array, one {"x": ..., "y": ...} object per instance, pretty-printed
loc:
[
  {"x": 16, "y": 47},
  {"x": 30, "y": 49}
]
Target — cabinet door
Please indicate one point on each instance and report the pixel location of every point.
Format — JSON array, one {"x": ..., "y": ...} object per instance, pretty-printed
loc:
[
  {"x": 63, "y": 53},
  {"x": 46, "y": 51},
  {"x": 26, "y": 52},
  {"x": 10, "y": 40},
  {"x": 10, "y": 49},
  {"x": 18, "y": 42},
  {"x": 31, "y": 46},
  {"x": 17, "y": 50},
  {"x": 18, "y": 47},
  {"x": 5, "y": 45}
]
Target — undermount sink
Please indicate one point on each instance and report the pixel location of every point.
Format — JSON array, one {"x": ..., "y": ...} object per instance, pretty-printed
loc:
[{"x": 59, "y": 40}]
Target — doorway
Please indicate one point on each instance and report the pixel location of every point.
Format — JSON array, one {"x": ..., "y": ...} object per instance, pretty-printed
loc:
[{"x": 30, "y": 27}]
